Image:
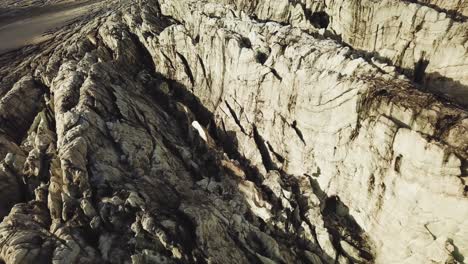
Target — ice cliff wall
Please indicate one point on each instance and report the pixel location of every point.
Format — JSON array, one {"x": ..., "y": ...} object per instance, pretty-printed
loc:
[{"x": 239, "y": 132}]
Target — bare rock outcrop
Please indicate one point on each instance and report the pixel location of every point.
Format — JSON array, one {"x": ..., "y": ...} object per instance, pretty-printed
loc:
[{"x": 237, "y": 132}]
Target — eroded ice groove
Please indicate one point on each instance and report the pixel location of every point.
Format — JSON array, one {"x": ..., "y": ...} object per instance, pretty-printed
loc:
[
  {"x": 426, "y": 40},
  {"x": 192, "y": 132}
]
